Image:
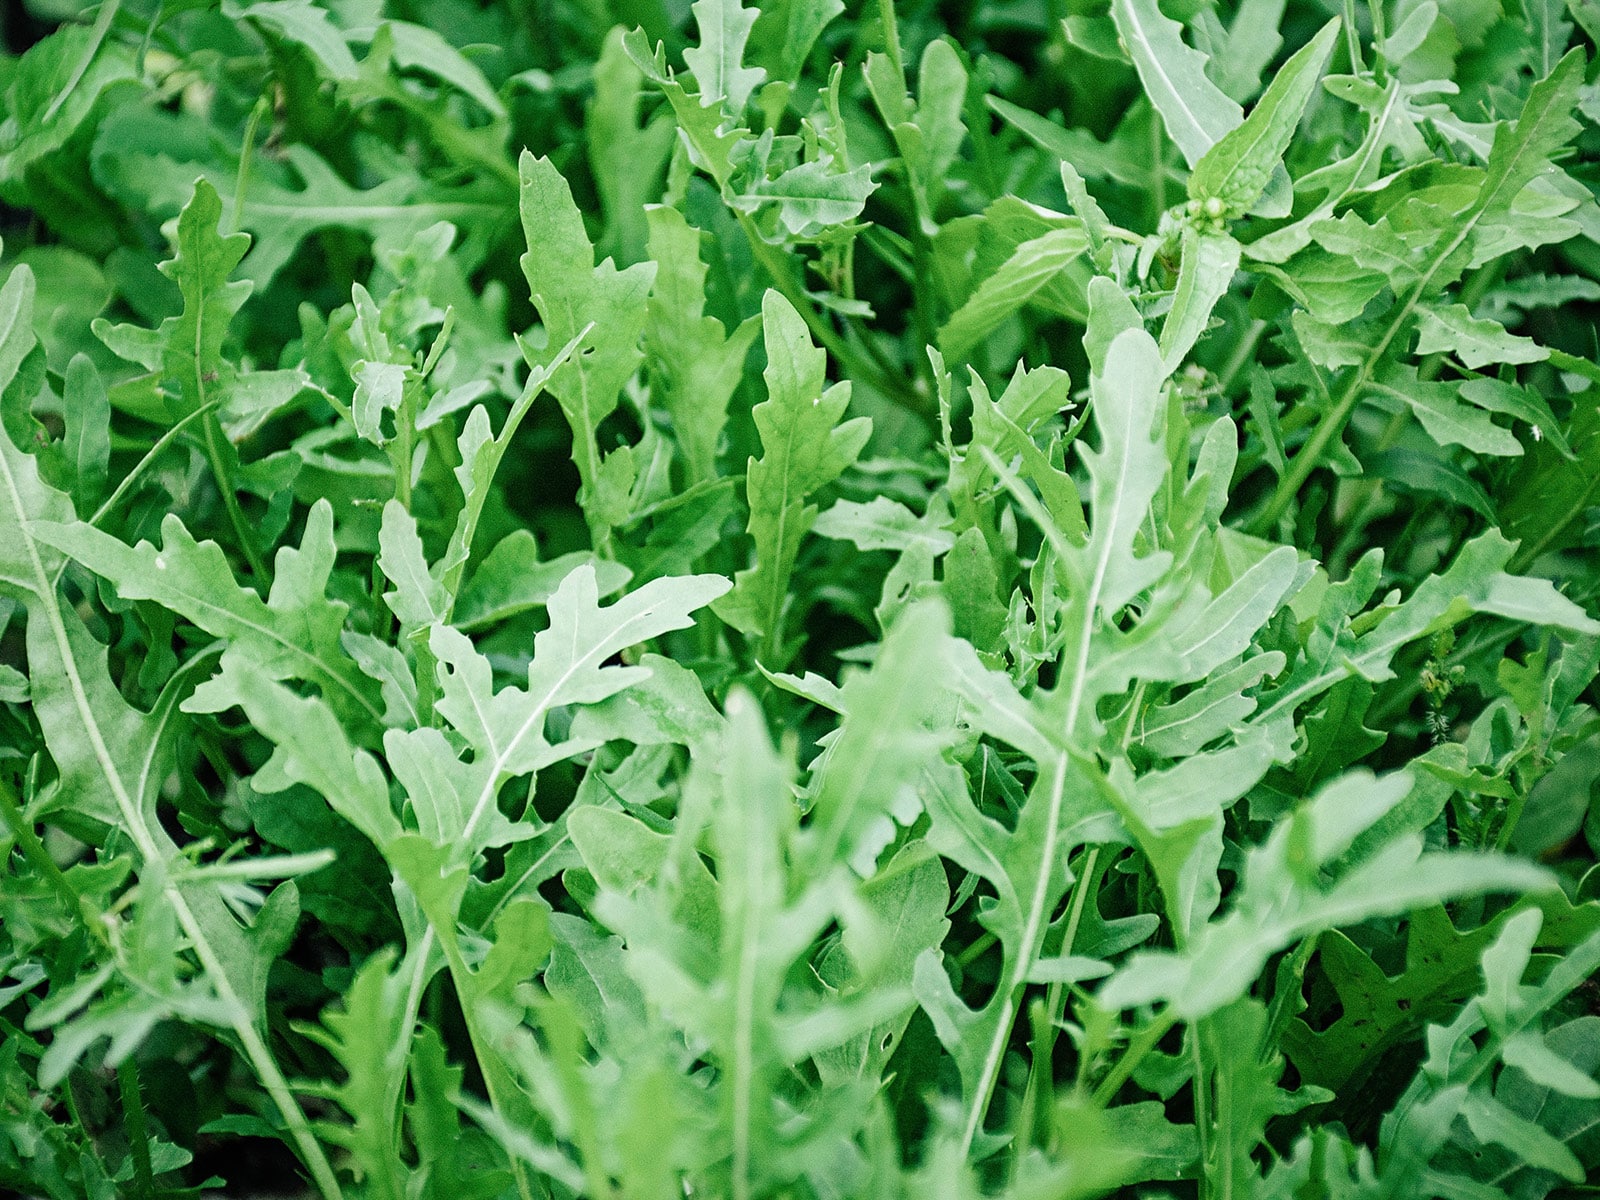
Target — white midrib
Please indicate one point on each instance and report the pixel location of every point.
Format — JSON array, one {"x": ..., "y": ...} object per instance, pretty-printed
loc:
[
  {"x": 238, "y": 1015},
  {"x": 535, "y": 719},
  {"x": 1041, "y": 887},
  {"x": 1154, "y": 62}
]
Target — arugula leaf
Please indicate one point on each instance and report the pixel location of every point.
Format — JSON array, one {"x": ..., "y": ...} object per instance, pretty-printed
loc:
[{"x": 804, "y": 448}]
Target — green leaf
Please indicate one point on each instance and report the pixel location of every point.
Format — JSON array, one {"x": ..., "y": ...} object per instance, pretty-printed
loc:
[
  {"x": 804, "y": 447},
  {"x": 1477, "y": 343},
  {"x": 16, "y": 325},
  {"x": 1031, "y": 266},
  {"x": 1237, "y": 169},
  {"x": 311, "y": 748},
  {"x": 188, "y": 347},
  {"x": 894, "y": 729},
  {"x": 786, "y": 31},
  {"x": 1281, "y": 902},
  {"x": 885, "y": 524},
  {"x": 418, "y": 597},
  {"x": 369, "y": 1039},
  {"x": 304, "y": 24},
  {"x": 1207, "y": 268},
  {"x": 293, "y": 635},
  {"x": 512, "y": 579},
  {"x": 695, "y": 362},
  {"x": 1197, "y": 113},
  {"x": 724, "y": 27},
  {"x": 573, "y": 295},
  {"x": 420, "y": 48},
  {"x": 506, "y": 729},
  {"x": 812, "y": 196},
  {"x": 1522, "y": 150},
  {"x": 626, "y": 160}
]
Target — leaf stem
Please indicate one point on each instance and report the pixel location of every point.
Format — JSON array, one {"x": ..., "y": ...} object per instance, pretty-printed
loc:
[
  {"x": 230, "y": 497},
  {"x": 150, "y": 455},
  {"x": 1016, "y": 978},
  {"x": 1055, "y": 998},
  {"x": 1200, "y": 1089},
  {"x": 1142, "y": 1043},
  {"x": 144, "y": 1183}
]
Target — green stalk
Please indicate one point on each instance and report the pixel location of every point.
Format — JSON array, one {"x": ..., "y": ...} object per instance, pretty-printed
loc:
[
  {"x": 461, "y": 975},
  {"x": 150, "y": 455},
  {"x": 214, "y": 439},
  {"x": 1333, "y": 423},
  {"x": 262, "y": 107},
  {"x": 1054, "y": 1005},
  {"x": 144, "y": 1183},
  {"x": 1202, "y": 1110},
  {"x": 1142, "y": 1043}
]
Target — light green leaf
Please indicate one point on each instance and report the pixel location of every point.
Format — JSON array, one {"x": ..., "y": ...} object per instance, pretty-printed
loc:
[
  {"x": 804, "y": 447},
  {"x": 16, "y": 323},
  {"x": 573, "y": 295},
  {"x": 1237, "y": 169},
  {"x": 1207, "y": 268},
  {"x": 506, "y": 729},
  {"x": 304, "y": 24},
  {"x": 895, "y": 726},
  {"x": 812, "y": 195},
  {"x": 87, "y": 444},
  {"x": 626, "y": 160},
  {"x": 1522, "y": 150},
  {"x": 1033, "y": 265},
  {"x": 190, "y": 344},
  {"x": 1282, "y": 899},
  {"x": 1126, "y": 471},
  {"x": 1451, "y": 329},
  {"x": 724, "y": 27},
  {"x": 418, "y": 597},
  {"x": 311, "y": 748},
  {"x": 885, "y": 524},
  {"x": 512, "y": 579},
  {"x": 293, "y": 635},
  {"x": 694, "y": 361},
  {"x": 1196, "y": 112}
]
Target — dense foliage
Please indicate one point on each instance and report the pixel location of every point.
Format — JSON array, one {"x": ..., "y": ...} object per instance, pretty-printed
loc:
[{"x": 645, "y": 600}]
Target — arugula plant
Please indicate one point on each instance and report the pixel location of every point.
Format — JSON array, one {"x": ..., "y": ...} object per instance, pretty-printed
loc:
[{"x": 799, "y": 601}]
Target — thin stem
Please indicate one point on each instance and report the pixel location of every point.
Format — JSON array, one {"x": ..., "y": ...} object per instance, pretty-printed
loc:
[
  {"x": 461, "y": 975},
  {"x": 144, "y": 1183},
  {"x": 891, "y": 38},
  {"x": 262, "y": 107},
  {"x": 1332, "y": 425},
  {"x": 230, "y": 496},
  {"x": 1142, "y": 1043},
  {"x": 97, "y": 35},
  {"x": 1202, "y": 1112},
  {"x": 1055, "y": 999},
  {"x": 150, "y": 455},
  {"x": 1016, "y": 978},
  {"x": 1241, "y": 354}
]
